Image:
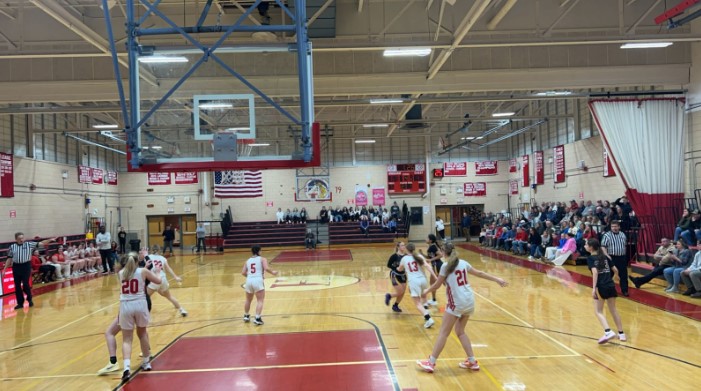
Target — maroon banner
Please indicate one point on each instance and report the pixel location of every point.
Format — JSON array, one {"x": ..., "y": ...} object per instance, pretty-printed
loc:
[
  {"x": 7, "y": 176},
  {"x": 475, "y": 189},
  {"x": 186, "y": 178},
  {"x": 158, "y": 178},
  {"x": 487, "y": 167},
  {"x": 539, "y": 168},
  {"x": 84, "y": 174},
  {"x": 526, "y": 167},
  {"x": 513, "y": 187},
  {"x": 608, "y": 165},
  {"x": 559, "y": 157},
  {"x": 513, "y": 166},
  {"x": 98, "y": 176},
  {"x": 112, "y": 178},
  {"x": 455, "y": 169}
]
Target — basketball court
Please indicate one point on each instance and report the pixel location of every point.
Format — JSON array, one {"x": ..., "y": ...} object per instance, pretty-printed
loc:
[{"x": 326, "y": 327}]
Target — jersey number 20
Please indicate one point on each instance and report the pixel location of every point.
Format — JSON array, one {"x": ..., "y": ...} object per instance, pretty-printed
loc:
[
  {"x": 462, "y": 277},
  {"x": 130, "y": 287}
]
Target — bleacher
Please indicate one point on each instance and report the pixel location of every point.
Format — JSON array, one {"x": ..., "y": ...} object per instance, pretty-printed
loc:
[
  {"x": 264, "y": 233},
  {"x": 349, "y": 233}
]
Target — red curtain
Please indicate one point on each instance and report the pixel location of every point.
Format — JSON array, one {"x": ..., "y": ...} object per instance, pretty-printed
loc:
[{"x": 658, "y": 215}]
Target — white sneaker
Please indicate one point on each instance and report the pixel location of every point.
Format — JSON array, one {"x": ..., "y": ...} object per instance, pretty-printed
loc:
[
  {"x": 182, "y": 311},
  {"x": 432, "y": 302},
  {"x": 146, "y": 366},
  {"x": 622, "y": 337},
  {"x": 530, "y": 258},
  {"x": 430, "y": 322},
  {"x": 609, "y": 335},
  {"x": 108, "y": 369}
]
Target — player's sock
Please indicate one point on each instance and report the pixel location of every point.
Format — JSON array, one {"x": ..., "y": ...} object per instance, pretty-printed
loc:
[
  {"x": 432, "y": 360},
  {"x": 127, "y": 363},
  {"x": 471, "y": 359},
  {"x": 427, "y": 316},
  {"x": 607, "y": 330},
  {"x": 113, "y": 359}
]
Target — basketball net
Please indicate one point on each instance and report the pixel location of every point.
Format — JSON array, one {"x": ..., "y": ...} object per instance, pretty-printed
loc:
[
  {"x": 441, "y": 143},
  {"x": 244, "y": 146}
]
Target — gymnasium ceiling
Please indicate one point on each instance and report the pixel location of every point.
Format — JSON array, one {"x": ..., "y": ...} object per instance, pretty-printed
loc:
[{"x": 487, "y": 56}]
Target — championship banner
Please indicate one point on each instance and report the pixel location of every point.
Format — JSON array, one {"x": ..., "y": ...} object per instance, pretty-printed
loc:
[
  {"x": 454, "y": 169},
  {"x": 513, "y": 166},
  {"x": 97, "y": 176},
  {"x": 526, "y": 171},
  {"x": 475, "y": 189},
  {"x": 361, "y": 196},
  {"x": 314, "y": 189},
  {"x": 539, "y": 168},
  {"x": 112, "y": 178},
  {"x": 513, "y": 187},
  {"x": 487, "y": 167},
  {"x": 158, "y": 178},
  {"x": 7, "y": 176},
  {"x": 378, "y": 196},
  {"x": 559, "y": 157},
  {"x": 608, "y": 164},
  {"x": 186, "y": 178},
  {"x": 84, "y": 174}
]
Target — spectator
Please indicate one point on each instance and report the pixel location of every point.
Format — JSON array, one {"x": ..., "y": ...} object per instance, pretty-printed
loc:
[
  {"x": 201, "y": 234},
  {"x": 288, "y": 216},
  {"x": 557, "y": 243},
  {"x": 392, "y": 225},
  {"x": 394, "y": 210},
  {"x": 122, "y": 236},
  {"x": 280, "y": 215},
  {"x": 324, "y": 215},
  {"x": 303, "y": 216},
  {"x": 520, "y": 241},
  {"x": 168, "y": 239},
  {"x": 692, "y": 277},
  {"x": 663, "y": 259},
  {"x": 39, "y": 265},
  {"x": 673, "y": 273},
  {"x": 534, "y": 242},
  {"x": 309, "y": 240},
  {"x": 364, "y": 225},
  {"x": 104, "y": 244},
  {"x": 693, "y": 233},
  {"x": 465, "y": 224},
  {"x": 440, "y": 228},
  {"x": 683, "y": 224},
  {"x": 568, "y": 249}
]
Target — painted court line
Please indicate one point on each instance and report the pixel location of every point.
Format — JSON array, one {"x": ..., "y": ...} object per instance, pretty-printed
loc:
[
  {"x": 231, "y": 369},
  {"x": 496, "y": 358},
  {"x": 528, "y": 325}
]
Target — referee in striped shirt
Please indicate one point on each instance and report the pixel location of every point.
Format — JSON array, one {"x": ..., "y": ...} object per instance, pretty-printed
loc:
[
  {"x": 19, "y": 256},
  {"x": 614, "y": 246}
]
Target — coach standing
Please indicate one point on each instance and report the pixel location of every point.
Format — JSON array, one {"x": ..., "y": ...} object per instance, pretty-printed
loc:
[
  {"x": 104, "y": 244},
  {"x": 18, "y": 256},
  {"x": 614, "y": 245}
]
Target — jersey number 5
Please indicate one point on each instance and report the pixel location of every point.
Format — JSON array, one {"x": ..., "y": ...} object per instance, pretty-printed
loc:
[
  {"x": 413, "y": 267},
  {"x": 462, "y": 277},
  {"x": 253, "y": 268},
  {"x": 130, "y": 287}
]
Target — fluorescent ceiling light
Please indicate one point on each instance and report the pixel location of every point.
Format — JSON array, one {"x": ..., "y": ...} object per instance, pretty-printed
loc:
[
  {"x": 505, "y": 114},
  {"x": 386, "y": 101},
  {"x": 554, "y": 93},
  {"x": 237, "y": 129},
  {"x": 215, "y": 105},
  {"x": 365, "y": 141},
  {"x": 472, "y": 138},
  {"x": 105, "y": 126},
  {"x": 376, "y": 125},
  {"x": 260, "y": 145},
  {"x": 645, "y": 45},
  {"x": 162, "y": 59},
  {"x": 109, "y": 135},
  {"x": 156, "y": 147},
  {"x": 407, "y": 52}
]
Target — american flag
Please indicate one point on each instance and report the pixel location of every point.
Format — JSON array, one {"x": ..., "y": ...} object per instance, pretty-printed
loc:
[{"x": 238, "y": 184}]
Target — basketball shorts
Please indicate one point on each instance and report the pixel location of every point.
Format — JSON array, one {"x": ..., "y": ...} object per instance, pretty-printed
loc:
[
  {"x": 397, "y": 278},
  {"x": 133, "y": 313},
  {"x": 416, "y": 287},
  {"x": 607, "y": 291},
  {"x": 437, "y": 266},
  {"x": 254, "y": 285},
  {"x": 462, "y": 309},
  {"x": 162, "y": 287}
]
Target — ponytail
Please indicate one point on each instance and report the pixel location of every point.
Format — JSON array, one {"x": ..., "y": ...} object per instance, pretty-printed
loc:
[
  {"x": 411, "y": 248},
  {"x": 129, "y": 269},
  {"x": 451, "y": 257}
]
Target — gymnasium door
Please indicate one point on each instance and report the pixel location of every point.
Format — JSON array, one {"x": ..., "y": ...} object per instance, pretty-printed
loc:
[
  {"x": 452, "y": 217},
  {"x": 184, "y": 226}
]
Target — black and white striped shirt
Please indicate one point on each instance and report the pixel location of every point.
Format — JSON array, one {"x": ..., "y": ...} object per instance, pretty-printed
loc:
[
  {"x": 21, "y": 253},
  {"x": 615, "y": 243}
]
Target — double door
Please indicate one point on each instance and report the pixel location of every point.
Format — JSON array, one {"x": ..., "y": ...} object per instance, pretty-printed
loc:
[
  {"x": 452, "y": 218},
  {"x": 184, "y": 226}
]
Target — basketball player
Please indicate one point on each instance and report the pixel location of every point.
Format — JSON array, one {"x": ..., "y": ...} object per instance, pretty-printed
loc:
[
  {"x": 113, "y": 329},
  {"x": 133, "y": 311},
  {"x": 254, "y": 270},
  {"x": 433, "y": 256},
  {"x": 461, "y": 304},
  {"x": 603, "y": 273},
  {"x": 412, "y": 264},
  {"x": 397, "y": 278},
  {"x": 163, "y": 288}
]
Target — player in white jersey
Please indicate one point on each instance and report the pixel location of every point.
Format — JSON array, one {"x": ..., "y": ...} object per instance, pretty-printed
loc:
[
  {"x": 412, "y": 264},
  {"x": 460, "y": 305},
  {"x": 254, "y": 270},
  {"x": 163, "y": 288},
  {"x": 133, "y": 311}
]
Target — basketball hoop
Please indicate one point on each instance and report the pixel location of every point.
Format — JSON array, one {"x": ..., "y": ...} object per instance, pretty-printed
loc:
[
  {"x": 441, "y": 144},
  {"x": 245, "y": 146}
]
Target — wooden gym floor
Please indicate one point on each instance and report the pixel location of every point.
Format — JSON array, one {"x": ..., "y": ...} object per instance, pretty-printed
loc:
[{"x": 326, "y": 327}]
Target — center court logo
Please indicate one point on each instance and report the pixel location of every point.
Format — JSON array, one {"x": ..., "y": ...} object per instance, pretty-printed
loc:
[{"x": 308, "y": 283}]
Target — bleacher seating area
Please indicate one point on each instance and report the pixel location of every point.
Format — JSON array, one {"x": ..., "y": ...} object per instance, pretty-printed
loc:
[
  {"x": 349, "y": 233},
  {"x": 264, "y": 233}
]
